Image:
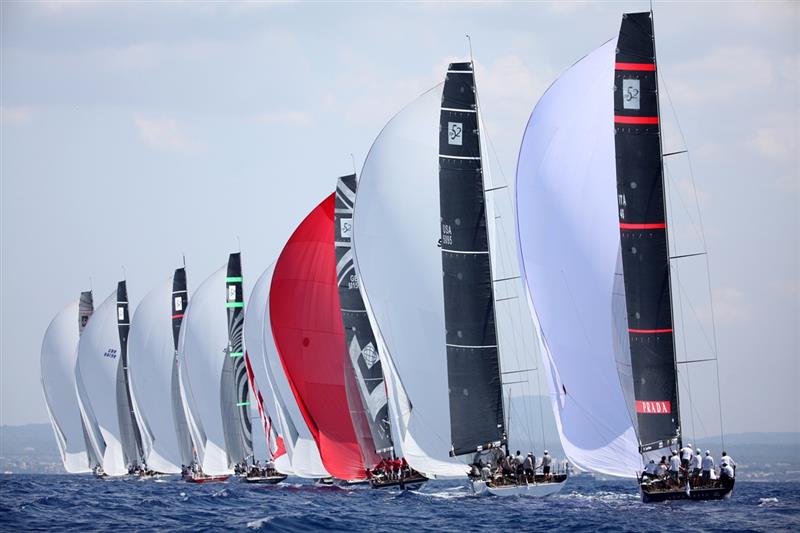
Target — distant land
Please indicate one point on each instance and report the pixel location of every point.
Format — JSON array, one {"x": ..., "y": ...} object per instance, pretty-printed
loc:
[{"x": 32, "y": 449}]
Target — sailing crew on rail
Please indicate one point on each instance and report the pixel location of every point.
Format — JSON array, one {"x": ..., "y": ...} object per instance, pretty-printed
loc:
[
  {"x": 697, "y": 464},
  {"x": 651, "y": 470},
  {"x": 727, "y": 459},
  {"x": 674, "y": 466},
  {"x": 686, "y": 456},
  {"x": 726, "y": 471},
  {"x": 546, "y": 461},
  {"x": 708, "y": 466}
]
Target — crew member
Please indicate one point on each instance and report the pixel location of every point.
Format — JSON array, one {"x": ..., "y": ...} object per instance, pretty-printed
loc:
[
  {"x": 527, "y": 465},
  {"x": 708, "y": 466},
  {"x": 546, "y": 461},
  {"x": 727, "y": 459},
  {"x": 686, "y": 456},
  {"x": 674, "y": 466}
]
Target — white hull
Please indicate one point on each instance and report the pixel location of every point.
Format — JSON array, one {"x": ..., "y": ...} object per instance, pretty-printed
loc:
[{"x": 537, "y": 490}]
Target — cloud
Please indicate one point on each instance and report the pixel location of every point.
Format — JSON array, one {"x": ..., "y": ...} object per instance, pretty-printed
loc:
[
  {"x": 775, "y": 142},
  {"x": 285, "y": 118},
  {"x": 16, "y": 115},
  {"x": 731, "y": 307},
  {"x": 164, "y": 134}
]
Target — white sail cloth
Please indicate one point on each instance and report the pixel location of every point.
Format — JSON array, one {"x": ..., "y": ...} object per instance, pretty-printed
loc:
[
  {"x": 59, "y": 354},
  {"x": 254, "y": 337},
  {"x": 569, "y": 238},
  {"x": 151, "y": 354},
  {"x": 301, "y": 449},
  {"x": 396, "y": 227},
  {"x": 99, "y": 357},
  {"x": 202, "y": 348}
]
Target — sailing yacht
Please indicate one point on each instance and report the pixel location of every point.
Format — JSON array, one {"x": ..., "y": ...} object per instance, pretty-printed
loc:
[{"x": 593, "y": 236}]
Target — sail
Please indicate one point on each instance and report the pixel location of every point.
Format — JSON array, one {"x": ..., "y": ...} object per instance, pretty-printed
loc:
[
  {"x": 91, "y": 431},
  {"x": 308, "y": 332},
  {"x": 366, "y": 390},
  {"x": 257, "y": 365},
  {"x": 58, "y": 357},
  {"x": 203, "y": 349},
  {"x": 568, "y": 231},
  {"x": 235, "y": 397},
  {"x": 152, "y": 355},
  {"x": 180, "y": 299},
  {"x": 473, "y": 371},
  {"x": 396, "y": 227},
  {"x": 99, "y": 362},
  {"x": 643, "y": 233},
  {"x": 133, "y": 440}
]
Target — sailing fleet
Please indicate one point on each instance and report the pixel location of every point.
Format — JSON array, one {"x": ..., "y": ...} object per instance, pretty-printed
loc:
[{"x": 378, "y": 347}]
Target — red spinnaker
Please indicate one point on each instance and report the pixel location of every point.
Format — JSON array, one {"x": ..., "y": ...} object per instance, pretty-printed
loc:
[{"x": 308, "y": 332}]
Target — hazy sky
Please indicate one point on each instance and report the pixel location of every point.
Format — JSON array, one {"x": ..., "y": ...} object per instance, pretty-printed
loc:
[{"x": 133, "y": 132}]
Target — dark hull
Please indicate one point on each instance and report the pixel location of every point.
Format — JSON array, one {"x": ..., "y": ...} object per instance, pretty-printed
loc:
[
  {"x": 269, "y": 480},
  {"x": 411, "y": 483},
  {"x": 720, "y": 490}
]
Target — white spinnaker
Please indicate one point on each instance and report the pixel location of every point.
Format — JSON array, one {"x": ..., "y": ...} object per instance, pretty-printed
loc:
[
  {"x": 569, "y": 243},
  {"x": 203, "y": 347},
  {"x": 151, "y": 354},
  {"x": 396, "y": 227},
  {"x": 59, "y": 354},
  {"x": 300, "y": 445},
  {"x": 99, "y": 357},
  {"x": 254, "y": 337}
]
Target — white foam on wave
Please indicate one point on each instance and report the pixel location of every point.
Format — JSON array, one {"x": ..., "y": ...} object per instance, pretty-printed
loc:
[
  {"x": 763, "y": 502},
  {"x": 258, "y": 524}
]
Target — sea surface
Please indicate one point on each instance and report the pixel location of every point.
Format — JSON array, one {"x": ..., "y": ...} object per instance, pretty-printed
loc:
[{"x": 80, "y": 502}]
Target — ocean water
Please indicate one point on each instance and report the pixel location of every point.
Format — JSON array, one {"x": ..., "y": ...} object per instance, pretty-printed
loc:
[{"x": 53, "y": 502}]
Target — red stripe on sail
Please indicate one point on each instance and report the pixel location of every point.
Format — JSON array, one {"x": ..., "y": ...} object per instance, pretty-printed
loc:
[
  {"x": 653, "y": 407},
  {"x": 635, "y": 66},
  {"x": 658, "y": 225},
  {"x": 177, "y": 316},
  {"x": 620, "y": 119},
  {"x": 309, "y": 335},
  {"x": 666, "y": 330}
]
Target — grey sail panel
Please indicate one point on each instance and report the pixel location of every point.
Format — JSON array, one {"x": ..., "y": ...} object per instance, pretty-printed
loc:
[
  {"x": 180, "y": 299},
  {"x": 473, "y": 368},
  {"x": 130, "y": 434},
  {"x": 85, "y": 310},
  {"x": 643, "y": 233},
  {"x": 235, "y": 397},
  {"x": 366, "y": 388}
]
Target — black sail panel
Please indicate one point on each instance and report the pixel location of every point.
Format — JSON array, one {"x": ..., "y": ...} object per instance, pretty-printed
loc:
[
  {"x": 473, "y": 367},
  {"x": 366, "y": 388},
  {"x": 179, "y": 301},
  {"x": 85, "y": 310},
  {"x": 239, "y": 439},
  {"x": 129, "y": 427},
  {"x": 643, "y": 231}
]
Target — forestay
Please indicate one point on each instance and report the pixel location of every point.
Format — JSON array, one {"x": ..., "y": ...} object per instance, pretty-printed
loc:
[
  {"x": 569, "y": 240},
  {"x": 395, "y": 232}
]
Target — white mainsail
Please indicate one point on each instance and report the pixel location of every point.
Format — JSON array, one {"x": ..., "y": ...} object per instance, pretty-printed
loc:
[
  {"x": 59, "y": 354},
  {"x": 395, "y": 232},
  {"x": 151, "y": 354},
  {"x": 202, "y": 348},
  {"x": 300, "y": 445},
  {"x": 99, "y": 357},
  {"x": 569, "y": 246},
  {"x": 254, "y": 336}
]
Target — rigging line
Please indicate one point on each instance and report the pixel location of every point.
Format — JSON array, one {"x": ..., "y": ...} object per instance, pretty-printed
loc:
[
  {"x": 690, "y": 361},
  {"x": 708, "y": 267},
  {"x": 687, "y": 255},
  {"x": 675, "y": 153}
]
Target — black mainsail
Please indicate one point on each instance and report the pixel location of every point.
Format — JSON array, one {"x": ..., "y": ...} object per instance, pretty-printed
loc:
[
  {"x": 366, "y": 390},
  {"x": 643, "y": 230},
  {"x": 130, "y": 434},
  {"x": 235, "y": 389},
  {"x": 473, "y": 367},
  {"x": 180, "y": 299}
]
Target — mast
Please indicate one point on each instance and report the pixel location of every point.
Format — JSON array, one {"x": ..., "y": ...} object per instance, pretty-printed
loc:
[
  {"x": 364, "y": 384},
  {"x": 473, "y": 368},
  {"x": 643, "y": 233}
]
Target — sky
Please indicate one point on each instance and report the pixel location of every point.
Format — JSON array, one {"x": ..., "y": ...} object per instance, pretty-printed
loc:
[{"x": 135, "y": 132}]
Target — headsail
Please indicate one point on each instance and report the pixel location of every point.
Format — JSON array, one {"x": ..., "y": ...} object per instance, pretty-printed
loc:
[
  {"x": 308, "y": 332},
  {"x": 203, "y": 349},
  {"x": 568, "y": 230},
  {"x": 235, "y": 397},
  {"x": 152, "y": 356},
  {"x": 366, "y": 390},
  {"x": 643, "y": 231},
  {"x": 58, "y": 357},
  {"x": 473, "y": 368},
  {"x": 396, "y": 226},
  {"x": 99, "y": 362}
]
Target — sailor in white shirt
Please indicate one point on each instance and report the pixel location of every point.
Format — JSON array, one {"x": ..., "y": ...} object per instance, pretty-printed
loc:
[
  {"x": 708, "y": 466},
  {"x": 726, "y": 471},
  {"x": 727, "y": 460},
  {"x": 686, "y": 455},
  {"x": 697, "y": 463},
  {"x": 674, "y": 466}
]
